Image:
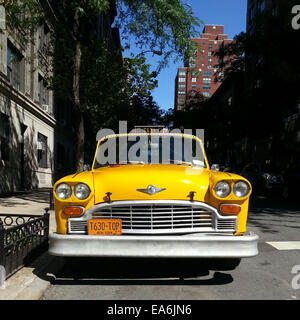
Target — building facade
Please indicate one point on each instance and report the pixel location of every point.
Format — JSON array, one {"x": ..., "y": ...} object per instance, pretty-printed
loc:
[
  {"x": 37, "y": 133},
  {"x": 28, "y": 129},
  {"x": 197, "y": 77}
]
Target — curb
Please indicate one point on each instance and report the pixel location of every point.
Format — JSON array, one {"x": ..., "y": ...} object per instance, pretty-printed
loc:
[{"x": 30, "y": 282}]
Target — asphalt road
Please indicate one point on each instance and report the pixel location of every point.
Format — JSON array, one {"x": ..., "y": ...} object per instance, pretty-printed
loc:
[{"x": 273, "y": 274}]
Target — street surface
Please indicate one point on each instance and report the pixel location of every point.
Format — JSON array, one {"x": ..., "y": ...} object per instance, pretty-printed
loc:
[{"x": 273, "y": 274}]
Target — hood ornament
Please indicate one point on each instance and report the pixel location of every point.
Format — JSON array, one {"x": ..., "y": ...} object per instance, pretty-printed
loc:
[{"x": 151, "y": 190}]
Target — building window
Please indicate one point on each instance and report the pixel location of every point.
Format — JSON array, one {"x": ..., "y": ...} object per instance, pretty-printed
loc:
[
  {"x": 207, "y": 73},
  {"x": 181, "y": 80},
  {"x": 194, "y": 79},
  {"x": 209, "y": 53},
  {"x": 194, "y": 73},
  {"x": 206, "y": 80},
  {"x": 4, "y": 137},
  {"x": 206, "y": 94},
  {"x": 42, "y": 151},
  {"x": 206, "y": 87},
  {"x": 43, "y": 92},
  {"x": 262, "y": 5},
  {"x": 181, "y": 93},
  {"x": 194, "y": 86},
  {"x": 181, "y": 86},
  {"x": 210, "y": 47},
  {"x": 182, "y": 72},
  {"x": 252, "y": 13},
  {"x": 192, "y": 65},
  {"x": 14, "y": 67},
  {"x": 44, "y": 36}
]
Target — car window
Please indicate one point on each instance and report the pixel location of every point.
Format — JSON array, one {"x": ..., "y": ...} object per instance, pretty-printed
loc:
[{"x": 150, "y": 149}]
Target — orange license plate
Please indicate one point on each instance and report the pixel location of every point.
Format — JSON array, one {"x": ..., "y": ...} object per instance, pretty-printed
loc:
[{"x": 105, "y": 227}]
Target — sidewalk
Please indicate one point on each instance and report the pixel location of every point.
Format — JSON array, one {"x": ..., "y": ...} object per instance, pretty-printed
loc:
[{"x": 31, "y": 281}]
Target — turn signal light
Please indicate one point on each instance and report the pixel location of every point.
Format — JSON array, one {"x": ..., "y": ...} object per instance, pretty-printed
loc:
[
  {"x": 230, "y": 209},
  {"x": 73, "y": 211}
]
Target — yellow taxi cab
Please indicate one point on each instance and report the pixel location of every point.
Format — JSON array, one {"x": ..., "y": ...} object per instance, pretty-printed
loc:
[{"x": 153, "y": 195}]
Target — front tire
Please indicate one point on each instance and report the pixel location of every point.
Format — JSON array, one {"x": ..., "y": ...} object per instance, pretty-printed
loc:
[{"x": 226, "y": 264}]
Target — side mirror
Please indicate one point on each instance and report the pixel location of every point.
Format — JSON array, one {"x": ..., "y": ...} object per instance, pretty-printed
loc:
[
  {"x": 87, "y": 167},
  {"x": 215, "y": 167}
]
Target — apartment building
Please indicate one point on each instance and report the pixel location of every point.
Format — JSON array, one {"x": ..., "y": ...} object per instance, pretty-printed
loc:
[
  {"x": 198, "y": 74},
  {"x": 28, "y": 129},
  {"x": 37, "y": 134}
]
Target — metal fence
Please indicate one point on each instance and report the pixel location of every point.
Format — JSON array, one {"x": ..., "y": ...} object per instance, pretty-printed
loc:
[{"x": 22, "y": 237}]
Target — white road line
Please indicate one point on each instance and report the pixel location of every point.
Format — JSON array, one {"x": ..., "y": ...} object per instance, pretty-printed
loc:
[{"x": 285, "y": 245}]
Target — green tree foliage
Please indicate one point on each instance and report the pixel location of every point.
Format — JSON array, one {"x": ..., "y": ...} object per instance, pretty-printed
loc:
[{"x": 96, "y": 80}]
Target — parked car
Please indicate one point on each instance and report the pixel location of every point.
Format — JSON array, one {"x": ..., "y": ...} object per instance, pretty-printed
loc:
[
  {"x": 292, "y": 181},
  {"x": 264, "y": 178},
  {"x": 177, "y": 208}
]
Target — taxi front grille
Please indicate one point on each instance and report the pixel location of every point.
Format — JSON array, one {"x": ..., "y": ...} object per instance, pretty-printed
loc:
[{"x": 158, "y": 218}]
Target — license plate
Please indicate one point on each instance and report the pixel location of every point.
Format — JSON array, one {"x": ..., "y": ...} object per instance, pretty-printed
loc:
[{"x": 105, "y": 227}]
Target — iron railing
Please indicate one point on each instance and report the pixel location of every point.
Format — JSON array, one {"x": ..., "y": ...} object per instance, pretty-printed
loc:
[{"x": 22, "y": 237}]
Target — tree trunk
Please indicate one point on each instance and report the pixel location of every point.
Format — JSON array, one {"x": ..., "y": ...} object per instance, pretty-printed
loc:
[{"x": 79, "y": 160}]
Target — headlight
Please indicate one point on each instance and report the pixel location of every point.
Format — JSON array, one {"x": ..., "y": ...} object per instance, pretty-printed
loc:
[
  {"x": 222, "y": 189},
  {"x": 241, "y": 189},
  {"x": 63, "y": 191},
  {"x": 81, "y": 191}
]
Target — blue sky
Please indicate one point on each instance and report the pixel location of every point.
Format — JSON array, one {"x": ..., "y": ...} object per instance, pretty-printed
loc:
[{"x": 230, "y": 13}]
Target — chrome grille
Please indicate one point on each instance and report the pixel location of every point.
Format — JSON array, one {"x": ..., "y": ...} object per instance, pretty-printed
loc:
[
  {"x": 157, "y": 217},
  {"x": 226, "y": 224}
]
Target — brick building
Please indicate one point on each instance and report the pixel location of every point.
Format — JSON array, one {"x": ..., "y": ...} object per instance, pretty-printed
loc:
[{"x": 198, "y": 74}]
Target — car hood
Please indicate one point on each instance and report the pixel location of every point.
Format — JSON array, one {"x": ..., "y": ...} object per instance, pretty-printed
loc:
[{"x": 177, "y": 180}]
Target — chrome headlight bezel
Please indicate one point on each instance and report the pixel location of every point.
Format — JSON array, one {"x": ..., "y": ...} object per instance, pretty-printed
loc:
[
  {"x": 244, "y": 185},
  {"x": 82, "y": 191},
  {"x": 222, "y": 185},
  {"x": 63, "y": 191}
]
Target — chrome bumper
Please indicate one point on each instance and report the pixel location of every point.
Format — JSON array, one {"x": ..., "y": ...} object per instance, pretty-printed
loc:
[{"x": 183, "y": 246}]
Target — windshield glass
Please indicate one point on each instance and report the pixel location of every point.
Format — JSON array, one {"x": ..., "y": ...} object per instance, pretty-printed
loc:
[{"x": 149, "y": 149}]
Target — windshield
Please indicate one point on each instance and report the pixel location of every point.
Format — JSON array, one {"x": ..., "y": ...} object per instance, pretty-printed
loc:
[{"x": 149, "y": 149}]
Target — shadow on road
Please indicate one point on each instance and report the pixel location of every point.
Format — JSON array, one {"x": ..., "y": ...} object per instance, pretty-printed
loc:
[
  {"x": 99, "y": 271},
  {"x": 39, "y": 195},
  {"x": 272, "y": 213}
]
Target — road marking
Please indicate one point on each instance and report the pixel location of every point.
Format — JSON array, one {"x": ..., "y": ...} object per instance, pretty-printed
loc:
[{"x": 285, "y": 245}]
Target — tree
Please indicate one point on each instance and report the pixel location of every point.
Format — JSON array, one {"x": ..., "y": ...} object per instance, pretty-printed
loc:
[{"x": 163, "y": 28}]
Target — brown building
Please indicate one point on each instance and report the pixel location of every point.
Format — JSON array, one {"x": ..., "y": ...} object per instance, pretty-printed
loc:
[{"x": 198, "y": 74}]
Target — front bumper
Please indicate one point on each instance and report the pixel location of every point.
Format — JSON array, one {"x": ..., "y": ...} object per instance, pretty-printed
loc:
[{"x": 183, "y": 246}]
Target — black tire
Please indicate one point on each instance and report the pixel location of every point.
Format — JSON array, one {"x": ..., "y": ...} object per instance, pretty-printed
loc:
[{"x": 226, "y": 264}]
